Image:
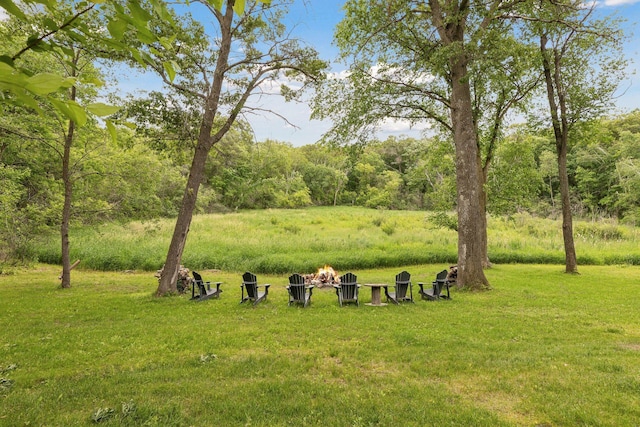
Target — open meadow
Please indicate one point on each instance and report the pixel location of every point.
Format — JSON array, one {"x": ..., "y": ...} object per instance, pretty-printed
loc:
[
  {"x": 542, "y": 348},
  {"x": 301, "y": 240}
]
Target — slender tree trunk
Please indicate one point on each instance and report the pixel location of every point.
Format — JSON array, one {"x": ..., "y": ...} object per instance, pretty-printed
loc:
[
  {"x": 66, "y": 206},
  {"x": 561, "y": 133},
  {"x": 486, "y": 263},
  {"x": 68, "y": 190},
  {"x": 571, "y": 260},
  {"x": 169, "y": 277}
]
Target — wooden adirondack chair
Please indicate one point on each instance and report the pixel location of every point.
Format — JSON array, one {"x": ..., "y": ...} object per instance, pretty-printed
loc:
[
  {"x": 347, "y": 290},
  {"x": 299, "y": 293},
  {"x": 435, "y": 292},
  {"x": 403, "y": 284},
  {"x": 250, "y": 285},
  {"x": 204, "y": 288}
]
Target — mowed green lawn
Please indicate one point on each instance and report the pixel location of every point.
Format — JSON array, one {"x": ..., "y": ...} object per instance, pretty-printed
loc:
[{"x": 543, "y": 348}]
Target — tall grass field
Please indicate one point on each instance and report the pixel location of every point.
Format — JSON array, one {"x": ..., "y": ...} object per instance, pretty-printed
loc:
[
  {"x": 285, "y": 241},
  {"x": 542, "y": 348}
]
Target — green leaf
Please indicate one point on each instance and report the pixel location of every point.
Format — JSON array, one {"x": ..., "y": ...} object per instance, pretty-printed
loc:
[
  {"x": 78, "y": 114},
  {"x": 145, "y": 35},
  {"x": 93, "y": 80},
  {"x": 138, "y": 12},
  {"x": 160, "y": 8},
  {"x": 37, "y": 44},
  {"x": 171, "y": 72},
  {"x": 216, "y": 3},
  {"x": 101, "y": 109},
  {"x": 238, "y": 7},
  {"x": 72, "y": 110},
  {"x": 117, "y": 28},
  {"x": 50, "y": 24},
  {"x": 112, "y": 130},
  {"x": 167, "y": 42},
  {"x": 138, "y": 57},
  {"x": 14, "y": 10},
  {"x": 61, "y": 107},
  {"x": 12, "y": 78},
  {"x": 80, "y": 38},
  {"x": 69, "y": 52},
  {"x": 45, "y": 83},
  {"x": 49, "y": 4}
]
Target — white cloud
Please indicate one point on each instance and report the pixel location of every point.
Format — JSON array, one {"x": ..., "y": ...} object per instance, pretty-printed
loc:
[
  {"x": 340, "y": 75},
  {"x": 400, "y": 74},
  {"x": 272, "y": 87},
  {"x": 3, "y": 15},
  {"x": 402, "y": 126}
]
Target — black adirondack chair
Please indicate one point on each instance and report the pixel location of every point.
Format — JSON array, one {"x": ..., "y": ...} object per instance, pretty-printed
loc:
[
  {"x": 299, "y": 293},
  {"x": 204, "y": 288},
  {"x": 402, "y": 288},
  {"x": 347, "y": 290},
  {"x": 435, "y": 292},
  {"x": 253, "y": 293}
]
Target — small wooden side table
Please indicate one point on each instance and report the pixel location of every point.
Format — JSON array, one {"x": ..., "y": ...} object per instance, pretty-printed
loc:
[{"x": 376, "y": 294}]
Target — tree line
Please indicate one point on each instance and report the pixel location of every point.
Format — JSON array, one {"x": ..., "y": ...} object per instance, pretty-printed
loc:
[{"x": 139, "y": 178}]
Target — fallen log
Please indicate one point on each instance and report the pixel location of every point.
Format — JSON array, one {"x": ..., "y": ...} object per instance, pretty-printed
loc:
[{"x": 70, "y": 268}]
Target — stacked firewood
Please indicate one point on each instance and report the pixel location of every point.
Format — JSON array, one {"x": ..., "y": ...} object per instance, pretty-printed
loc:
[
  {"x": 452, "y": 276},
  {"x": 325, "y": 276},
  {"x": 184, "y": 280}
]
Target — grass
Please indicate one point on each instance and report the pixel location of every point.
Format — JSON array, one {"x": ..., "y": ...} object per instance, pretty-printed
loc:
[
  {"x": 285, "y": 241},
  {"x": 542, "y": 348}
]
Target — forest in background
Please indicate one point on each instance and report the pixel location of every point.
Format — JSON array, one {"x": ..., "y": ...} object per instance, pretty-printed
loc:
[{"x": 141, "y": 175}]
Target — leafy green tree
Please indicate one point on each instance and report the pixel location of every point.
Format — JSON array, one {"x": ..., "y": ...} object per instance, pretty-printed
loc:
[
  {"x": 325, "y": 173},
  {"x": 514, "y": 180},
  {"x": 431, "y": 175},
  {"x": 222, "y": 82},
  {"x": 52, "y": 24},
  {"x": 582, "y": 64},
  {"x": 418, "y": 61},
  {"x": 62, "y": 31}
]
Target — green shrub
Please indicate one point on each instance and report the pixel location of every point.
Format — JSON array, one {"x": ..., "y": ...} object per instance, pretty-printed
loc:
[{"x": 443, "y": 220}]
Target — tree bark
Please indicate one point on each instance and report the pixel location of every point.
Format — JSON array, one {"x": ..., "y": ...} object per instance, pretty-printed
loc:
[
  {"x": 486, "y": 262},
  {"x": 571, "y": 260},
  {"x": 471, "y": 249},
  {"x": 168, "y": 280},
  {"x": 561, "y": 133},
  {"x": 471, "y": 217},
  {"x": 66, "y": 206},
  {"x": 68, "y": 189}
]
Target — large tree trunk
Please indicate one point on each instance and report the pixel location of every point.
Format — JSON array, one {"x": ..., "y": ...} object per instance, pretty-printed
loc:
[
  {"x": 450, "y": 20},
  {"x": 471, "y": 217}
]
